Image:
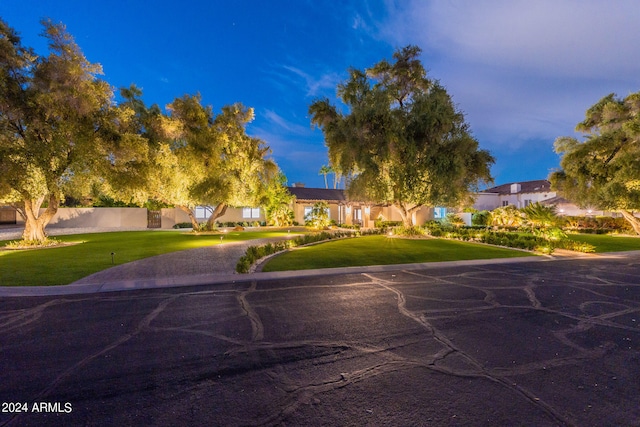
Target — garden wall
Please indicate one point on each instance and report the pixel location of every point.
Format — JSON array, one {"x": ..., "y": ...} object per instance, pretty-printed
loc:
[{"x": 98, "y": 217}]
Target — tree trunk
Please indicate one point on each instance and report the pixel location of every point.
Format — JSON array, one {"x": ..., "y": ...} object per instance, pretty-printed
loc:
[
  {"x": 217, "y": 213},
  {"x": 635, "y": 222},
  {"x": 192, "y": 216},
  {"x": 407, "y": 214},
  {"x": 34, "y": 222}
]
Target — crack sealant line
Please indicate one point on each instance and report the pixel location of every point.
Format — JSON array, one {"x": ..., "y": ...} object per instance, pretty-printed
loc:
[{"x": 548, "y": 409}]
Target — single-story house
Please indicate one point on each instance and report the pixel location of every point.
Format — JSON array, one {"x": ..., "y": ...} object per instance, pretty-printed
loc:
[{"x": 345, "y": 211}]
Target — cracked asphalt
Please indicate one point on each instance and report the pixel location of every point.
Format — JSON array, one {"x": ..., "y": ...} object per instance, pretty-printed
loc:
[{"x": 533, "y": 343}]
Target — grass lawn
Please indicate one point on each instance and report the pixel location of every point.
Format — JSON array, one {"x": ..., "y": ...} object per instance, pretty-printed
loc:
[
  {"x": 92, "y": 253},
  {"x": 379, "y": 250},
  {"x": 608, "y": 242}
]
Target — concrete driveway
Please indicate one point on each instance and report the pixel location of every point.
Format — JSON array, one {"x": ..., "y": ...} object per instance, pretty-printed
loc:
[{"x": 530, "y": 343}]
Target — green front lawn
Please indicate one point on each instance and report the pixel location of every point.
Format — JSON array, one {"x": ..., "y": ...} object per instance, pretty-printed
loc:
[
  {"x": 92, "y": 253},
  {"x": 381, "y": 250},
  {"x": 608, "y": 242}
]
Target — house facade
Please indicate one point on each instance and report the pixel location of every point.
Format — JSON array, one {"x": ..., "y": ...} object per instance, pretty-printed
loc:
[
  {"x": 518, "y": 194},
  {"x": 524, "y": 193},
  {"x": 347, "y": 212}
]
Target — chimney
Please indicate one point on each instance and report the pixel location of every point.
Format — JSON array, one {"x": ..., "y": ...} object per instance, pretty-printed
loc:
[
  {"x": 515, "y": 188},
  {"x": 298, "y": 184}
]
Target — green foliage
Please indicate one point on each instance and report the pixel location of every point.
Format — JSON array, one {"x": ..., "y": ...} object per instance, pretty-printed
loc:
[
  {"x": 603, "y": 170},
  {"x": 277, "y": 202},
  {"x": 454, "y": 219},
  {"x": 59, "y": 128},
  {"x": 597, "y": 225},
  {"x": 31, "y": 244},
  {"x": 319, "y": 216},
  {"x": 481, "y": 218},
  {"x": 198, "y": 157},
  {"x": 402, "y": 142},
  {"x": 412, "y": 231},
  {"x": 508, "y": 216},
  {"x": 538, "y": 216}
]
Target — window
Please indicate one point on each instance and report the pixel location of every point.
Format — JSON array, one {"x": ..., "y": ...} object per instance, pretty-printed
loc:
[
  {"x": 307, "y": 211},
  {"x": 505, "y": 203},
  {"x": 250, "y": 213},
  {"x": 527, "y": 202},
  {"x": 203, "y": 212},
  {"x": 439, "y": 213}
]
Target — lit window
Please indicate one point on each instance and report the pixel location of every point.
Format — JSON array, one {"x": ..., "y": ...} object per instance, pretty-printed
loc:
[
  {"x": 439, "y": 213},
  {"x": 250, "y": 213},
  {"x": 203, "y": 212}
]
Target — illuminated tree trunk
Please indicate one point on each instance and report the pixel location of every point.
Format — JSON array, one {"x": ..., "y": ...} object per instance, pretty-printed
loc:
[
  {"x": 635, "y": 222},
  {"x": 34, "y": 222},
  {"x": 407, "y": 214},
  {"x": 217, "y": 213},
  {"x": 192, "y": 216}
]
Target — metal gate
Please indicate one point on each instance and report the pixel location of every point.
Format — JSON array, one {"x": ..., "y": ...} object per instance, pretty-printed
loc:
[{"x": 154, "y": 219}]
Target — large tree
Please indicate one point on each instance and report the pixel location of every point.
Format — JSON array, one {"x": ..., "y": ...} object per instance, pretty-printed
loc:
[
  {"x": 199, "y": 158},
  {"x": 402, "y": 140},
  {"x": 57, "y": 125},
  {"x": 603, "y": 170}
]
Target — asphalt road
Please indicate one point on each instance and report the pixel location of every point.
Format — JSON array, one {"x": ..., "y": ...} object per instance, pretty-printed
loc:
[{"x": 535, "y": 344}]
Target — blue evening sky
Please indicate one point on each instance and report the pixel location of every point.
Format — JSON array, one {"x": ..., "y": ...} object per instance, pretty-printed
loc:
[{"x": 523, "y": 71}]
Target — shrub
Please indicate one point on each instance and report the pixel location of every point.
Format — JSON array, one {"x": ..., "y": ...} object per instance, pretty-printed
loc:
[
  {"x": 481, "y": 218},
  {"x": 183, "y": 225},
  {"x": 409, "y": 231}
]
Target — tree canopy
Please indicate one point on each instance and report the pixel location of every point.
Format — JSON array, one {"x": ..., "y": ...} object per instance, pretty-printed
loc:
[
  {"x": 57, "y": 125},
  {"x": 603, "y": 170},
  {"x": 61, "y": 133},
  {"x": 200, "y": 158},
  {"x": 402, "y": 140}
]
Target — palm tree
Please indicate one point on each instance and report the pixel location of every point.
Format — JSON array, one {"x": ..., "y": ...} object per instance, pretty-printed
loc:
[
  {"x": 325, "y": 170},
  {"x": 507, "y": 216}
]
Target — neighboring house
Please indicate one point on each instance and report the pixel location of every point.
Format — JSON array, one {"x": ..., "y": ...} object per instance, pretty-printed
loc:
[
  {"x": 524, "y": 193},
  {"x": 518, "y": 194}
]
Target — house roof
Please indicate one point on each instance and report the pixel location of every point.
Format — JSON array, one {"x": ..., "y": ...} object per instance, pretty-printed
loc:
[
  {"x": 318, "y": 194},
  {"x": 537, "y": 186},
  {"x": 556, "y": 201}
]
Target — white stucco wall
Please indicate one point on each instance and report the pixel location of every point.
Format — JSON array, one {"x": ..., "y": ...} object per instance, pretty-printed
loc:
[{"x": 99, "y": 217}]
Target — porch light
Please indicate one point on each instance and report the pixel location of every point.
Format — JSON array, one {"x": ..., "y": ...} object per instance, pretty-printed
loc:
[
  {"x": 348, "y": 209},
  {"x": 367, "y": 210}
]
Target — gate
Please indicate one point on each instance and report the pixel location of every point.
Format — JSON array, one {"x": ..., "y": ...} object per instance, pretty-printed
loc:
[{"x": 154, "y": 219}]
